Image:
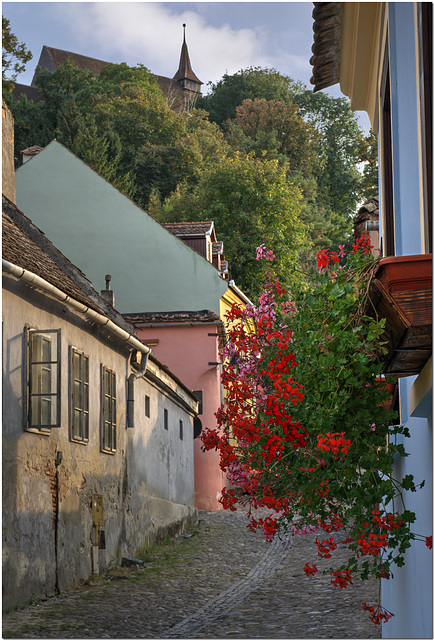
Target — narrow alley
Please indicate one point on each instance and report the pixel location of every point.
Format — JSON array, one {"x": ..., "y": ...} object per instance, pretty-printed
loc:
[{"x": 218, "y": 581}]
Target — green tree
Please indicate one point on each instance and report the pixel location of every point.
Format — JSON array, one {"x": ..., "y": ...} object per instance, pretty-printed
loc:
[
  {"x": 15, "y": 56},
  {"x": 247, "y": 84},
  {"x": 275, "y": 130},
  {"x": 250, "y": 202},
  {"x": 368, "y": 155},
  {"x": 339, "y": 185}
]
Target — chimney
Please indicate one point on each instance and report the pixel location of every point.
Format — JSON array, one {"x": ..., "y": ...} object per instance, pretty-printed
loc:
[
  {"x": 107, "y": 293},
  {"x": 30, "y": 152},
  {"x": 8, "y": 168}
]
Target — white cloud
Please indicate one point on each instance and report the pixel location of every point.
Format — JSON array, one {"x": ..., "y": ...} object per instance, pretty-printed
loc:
[{"x": 151, "y": 34}]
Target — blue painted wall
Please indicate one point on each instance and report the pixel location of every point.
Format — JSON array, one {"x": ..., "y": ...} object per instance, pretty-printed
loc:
[{"x": 409, "y": 595}]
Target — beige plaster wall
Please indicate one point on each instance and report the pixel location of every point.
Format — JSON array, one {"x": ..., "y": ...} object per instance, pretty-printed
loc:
[{"x": 147, "y": 486}]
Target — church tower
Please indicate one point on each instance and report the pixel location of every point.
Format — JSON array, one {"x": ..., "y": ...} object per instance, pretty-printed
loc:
[{"x": 185, "y": 75}]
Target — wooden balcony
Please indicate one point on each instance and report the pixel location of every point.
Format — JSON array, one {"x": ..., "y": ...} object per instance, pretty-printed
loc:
[{"x": 401, "y": 292}]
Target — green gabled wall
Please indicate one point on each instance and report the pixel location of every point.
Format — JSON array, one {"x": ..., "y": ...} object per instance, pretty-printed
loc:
[{"x": 103, "y": 232}]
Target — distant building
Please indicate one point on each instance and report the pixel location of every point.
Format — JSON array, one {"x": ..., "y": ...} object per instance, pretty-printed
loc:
[{"x": 181, "y": 91}]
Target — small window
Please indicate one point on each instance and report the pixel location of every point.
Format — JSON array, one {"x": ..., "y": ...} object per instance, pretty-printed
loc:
[
  {"x": 199, "y": 396},
  {"x": 166, "y": 419},
  {"x": 43, "y": 410},
  {"x": 108, "y": 410},
  {"x": 147, "y": 406},
  {"x": 79, "y": 401},
  {"x": 181, "y": 430}
]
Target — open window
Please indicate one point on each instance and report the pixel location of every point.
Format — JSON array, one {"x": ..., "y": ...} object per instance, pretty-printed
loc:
[{"x": 43, "y": 365}]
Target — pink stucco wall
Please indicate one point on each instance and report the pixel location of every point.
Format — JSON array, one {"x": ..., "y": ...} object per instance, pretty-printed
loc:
[{"x": 187, "y": 350}]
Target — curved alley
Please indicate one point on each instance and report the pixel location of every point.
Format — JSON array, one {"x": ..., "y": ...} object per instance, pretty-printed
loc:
[{"x": 218, "y": 581}]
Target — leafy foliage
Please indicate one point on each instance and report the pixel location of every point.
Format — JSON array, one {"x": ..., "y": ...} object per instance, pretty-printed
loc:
[
  {"x": 305, "y": 431},
  {"x": 178, "y": 165},
  {"x": 15, "y": 56},
  {"x": 247, "y": 84},
  {"x": 248, "y": 200}
]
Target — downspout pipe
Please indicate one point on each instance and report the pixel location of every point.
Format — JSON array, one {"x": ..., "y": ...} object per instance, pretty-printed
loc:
[
  {"x": 46, "y": 287},
  {"x": 131, "y": 380}
]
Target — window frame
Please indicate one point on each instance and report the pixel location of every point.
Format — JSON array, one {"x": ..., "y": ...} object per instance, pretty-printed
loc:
[
  {"x": 83, "y": 436},
  {"x": 108, "y": 417},
  {"x": 54, "y": 381}
]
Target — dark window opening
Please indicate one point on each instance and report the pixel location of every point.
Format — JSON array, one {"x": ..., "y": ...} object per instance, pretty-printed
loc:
[
  {"x": 199, "y": 396},
  {"x": 166, "y": 419},
  {"x": 387, "y": 200}
]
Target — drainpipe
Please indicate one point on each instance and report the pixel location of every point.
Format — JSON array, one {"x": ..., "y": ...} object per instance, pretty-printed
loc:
[
  {"x": 39, "y": 283},
  {"x": 131, "y": 379}
]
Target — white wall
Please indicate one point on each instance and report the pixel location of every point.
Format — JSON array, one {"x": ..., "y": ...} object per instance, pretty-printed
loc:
[{"x": 147, "y": 485}]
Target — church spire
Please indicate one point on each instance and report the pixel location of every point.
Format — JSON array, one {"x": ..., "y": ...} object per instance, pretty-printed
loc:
[{"x": 185, "y": 75}]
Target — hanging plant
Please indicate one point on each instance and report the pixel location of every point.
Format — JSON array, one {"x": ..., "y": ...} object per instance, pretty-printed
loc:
[{"x": 305, "y": 430}]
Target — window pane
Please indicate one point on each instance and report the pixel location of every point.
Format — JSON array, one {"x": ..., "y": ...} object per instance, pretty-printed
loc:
[
  {"x": 86, "y": 426},
  {"x": 113, "y": 389},
  {"x": 76, "y": 425},
  {"x": 107, "y": 382},
  {"x": 107, "y": 406},
  {"x": 114, "y": 438},
  {"x": 86, "y": 369},
  {"x": 77, "y": 358},
  {"x": 106, "y": 435},
  {"x": 77, "y": 394},
  {"x": 86, "y": 397}
]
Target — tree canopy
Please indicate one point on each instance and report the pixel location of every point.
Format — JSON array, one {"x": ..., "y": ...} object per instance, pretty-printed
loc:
[
  {"x": 15, "y": 56},
  {"x": 264, "y": 157}
]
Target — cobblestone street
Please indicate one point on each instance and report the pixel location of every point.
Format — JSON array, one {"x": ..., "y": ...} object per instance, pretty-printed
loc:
[{"x": 219, "y": 581}]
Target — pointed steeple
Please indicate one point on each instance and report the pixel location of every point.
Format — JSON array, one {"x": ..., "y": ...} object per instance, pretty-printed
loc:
[{"x": 185, "y": 75}]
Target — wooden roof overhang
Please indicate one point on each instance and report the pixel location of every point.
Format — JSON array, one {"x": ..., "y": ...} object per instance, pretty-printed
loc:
[{"x": 401, "y": 293}]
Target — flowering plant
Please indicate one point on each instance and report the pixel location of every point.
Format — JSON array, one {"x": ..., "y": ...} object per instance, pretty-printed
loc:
[{"x": 304, "y": 430}]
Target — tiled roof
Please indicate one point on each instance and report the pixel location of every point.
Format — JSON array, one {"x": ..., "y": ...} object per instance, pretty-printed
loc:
[
  {"x": 26, "y": 246},
  {"x": 31, "y": 93},
  {"x": 185, "y": 72},
  {"x": 51, "y": 59},
  {"x": 187, "y": 317},
  {"x": 189, "y": 228},
  {"x": 326, "y": 48}
]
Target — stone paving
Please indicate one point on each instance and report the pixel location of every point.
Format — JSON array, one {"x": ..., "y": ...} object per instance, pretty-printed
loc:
[{"x": 219, "y": 581}]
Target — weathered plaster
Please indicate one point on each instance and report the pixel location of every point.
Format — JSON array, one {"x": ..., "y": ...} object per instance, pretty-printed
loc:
[{"x": 147, "y": 485}]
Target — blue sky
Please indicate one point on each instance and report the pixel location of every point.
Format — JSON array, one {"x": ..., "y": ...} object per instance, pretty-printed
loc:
[{"x": 221, "y": 36}]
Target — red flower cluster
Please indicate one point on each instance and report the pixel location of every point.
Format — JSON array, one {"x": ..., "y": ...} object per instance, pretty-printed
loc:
[
  {"x": 325, "y": 257},
  {"x": 428, "y": 542},
  {"x": 310, "y": 571},
  {"x": 363, "y": 244},
  {"x": 373, "y": 544},
  {"x": 332, "y": 442},
  {"x": 325, "y": 546},
  {"x": 387, "y": 522},
  {"x": 377, "y": 614},
  {"x": 341, "y": 579}
]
